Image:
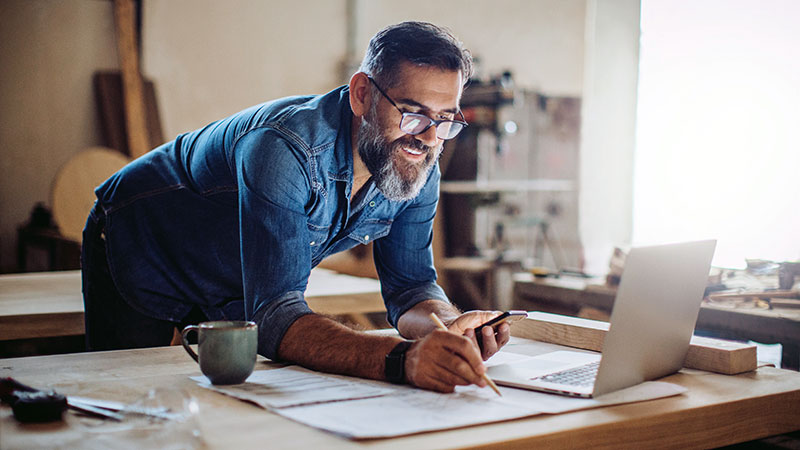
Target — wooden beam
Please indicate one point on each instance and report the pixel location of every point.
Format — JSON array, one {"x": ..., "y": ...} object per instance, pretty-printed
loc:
[
  {"x": 132, "y": 85},
  {"x": 713, "y": 355}
]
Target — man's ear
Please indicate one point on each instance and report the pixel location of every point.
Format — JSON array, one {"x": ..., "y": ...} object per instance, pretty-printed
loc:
[{"x": 360, "y": 94}]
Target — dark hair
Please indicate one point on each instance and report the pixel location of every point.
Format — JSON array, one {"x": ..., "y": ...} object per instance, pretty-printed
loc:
[{"x": 420, "y": 43}]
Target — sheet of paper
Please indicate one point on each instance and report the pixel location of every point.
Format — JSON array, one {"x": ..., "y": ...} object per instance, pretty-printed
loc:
[
  {"x": 361, "y": 409},
  {"x": 294, "y": 385},
  {"x": 411, "y": 412}
]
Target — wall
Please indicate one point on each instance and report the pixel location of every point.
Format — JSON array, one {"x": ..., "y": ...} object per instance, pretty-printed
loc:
[
  {"x": 48, "y": 52},
  {"x": 210, "y": 58},
  {"x": 285, "y": 47},
  {"x": 540, "y": 41},
  {"x": 609, "y": 128}
]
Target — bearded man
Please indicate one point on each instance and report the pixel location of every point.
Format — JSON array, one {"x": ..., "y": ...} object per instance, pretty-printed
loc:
[{"x": 226, "y": 222}]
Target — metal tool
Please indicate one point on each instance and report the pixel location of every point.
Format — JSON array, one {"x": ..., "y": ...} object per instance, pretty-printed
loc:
[
  {"x": 109, "y": 405},
  {"x": 32, "y": 405}
]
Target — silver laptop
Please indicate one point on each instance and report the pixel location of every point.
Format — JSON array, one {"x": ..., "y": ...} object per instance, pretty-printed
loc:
[{"x": 651, "y": 325}]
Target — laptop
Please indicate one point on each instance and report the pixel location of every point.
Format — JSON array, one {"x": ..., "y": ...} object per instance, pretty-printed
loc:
[{"x": 651, "y": 324}]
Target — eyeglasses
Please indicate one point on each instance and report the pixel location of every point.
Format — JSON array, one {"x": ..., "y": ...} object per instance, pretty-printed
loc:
[{"x": 413, "y": 123}]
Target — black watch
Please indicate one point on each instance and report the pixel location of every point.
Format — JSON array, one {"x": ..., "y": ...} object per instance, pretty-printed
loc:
[{"x": 395, "y": 369}]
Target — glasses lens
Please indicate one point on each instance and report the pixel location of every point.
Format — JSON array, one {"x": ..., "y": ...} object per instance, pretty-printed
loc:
[
  {"x": 448, "y": 130},
  {"x": 414, "y": 123},
  {"x": 417, "y": 123}
]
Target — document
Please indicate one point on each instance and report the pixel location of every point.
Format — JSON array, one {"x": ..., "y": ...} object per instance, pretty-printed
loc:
[
  {"x": 294, "y": 386},
  {"x": 416, "y": 410},
  {"x": 362, "y": 409}
]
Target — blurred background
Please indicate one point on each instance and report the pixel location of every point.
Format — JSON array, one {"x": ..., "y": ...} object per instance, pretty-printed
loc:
[{"x": 597, "y": 123}]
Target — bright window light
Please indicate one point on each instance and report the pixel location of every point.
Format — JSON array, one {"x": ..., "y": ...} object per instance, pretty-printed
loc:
[{"x": 718, "y": 127}]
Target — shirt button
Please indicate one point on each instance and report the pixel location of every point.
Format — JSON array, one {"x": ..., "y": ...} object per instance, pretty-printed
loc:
[
  {"x": 372, "y": 204},
  {"x": 313, "y": 242},
  {"x": 366, "y": 237}
]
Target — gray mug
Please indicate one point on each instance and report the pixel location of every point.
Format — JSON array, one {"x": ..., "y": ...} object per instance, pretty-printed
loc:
[{"x": 227, "y": 349}]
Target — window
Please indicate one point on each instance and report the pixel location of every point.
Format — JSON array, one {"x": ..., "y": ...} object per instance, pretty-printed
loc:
[{"x": 718, "y": 127}]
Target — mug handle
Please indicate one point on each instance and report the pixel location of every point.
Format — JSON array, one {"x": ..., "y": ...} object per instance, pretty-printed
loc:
[{"x": 185, "y": 341}]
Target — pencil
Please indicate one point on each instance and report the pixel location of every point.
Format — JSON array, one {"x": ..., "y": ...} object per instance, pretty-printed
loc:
[{"x": 489, "y": 381}]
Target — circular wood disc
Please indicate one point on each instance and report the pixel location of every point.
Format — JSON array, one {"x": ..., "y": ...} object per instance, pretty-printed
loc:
[{"x": 73, "y": 189}]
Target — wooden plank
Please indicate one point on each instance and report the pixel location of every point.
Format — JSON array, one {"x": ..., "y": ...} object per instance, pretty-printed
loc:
[
  {"x": 133, "y": 90},
  {"x": 50, "y": 304},
  {"x": 713, "y": 355},
  {"x": 41, "y": 305},
  {"x": 716, "y": 410},
  {"x": 31, "y": 326},
  {"x": 111, "y": 109},
  {"x": 568, "y": 295}
]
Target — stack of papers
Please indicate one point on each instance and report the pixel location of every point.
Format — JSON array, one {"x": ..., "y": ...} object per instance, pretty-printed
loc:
[{"x": 360, "y": 409}]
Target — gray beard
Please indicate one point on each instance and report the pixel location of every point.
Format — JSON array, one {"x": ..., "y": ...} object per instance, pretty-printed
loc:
[{"x": 394, "y": 177}]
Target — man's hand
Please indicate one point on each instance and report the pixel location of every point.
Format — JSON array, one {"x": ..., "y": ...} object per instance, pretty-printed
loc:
[
  {"x": 416, "y": 323},
  {"x": 443, "y": 360},
  {"x": 466, "y": 323}
]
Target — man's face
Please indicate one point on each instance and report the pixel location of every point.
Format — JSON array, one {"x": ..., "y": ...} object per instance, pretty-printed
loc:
[{"x": 399, "y": 162}]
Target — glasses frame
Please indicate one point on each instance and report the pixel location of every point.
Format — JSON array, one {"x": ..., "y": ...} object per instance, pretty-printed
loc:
[{"x": 432, "y": 122}]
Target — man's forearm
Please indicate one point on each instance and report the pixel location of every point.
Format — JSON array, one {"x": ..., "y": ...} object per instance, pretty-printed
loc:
[
  {"x": 319, "y": 343},
  {"x": 416, "y": 322}
]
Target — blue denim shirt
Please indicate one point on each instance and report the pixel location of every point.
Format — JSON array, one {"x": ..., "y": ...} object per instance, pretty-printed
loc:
[{"x": 233, "y": 216}]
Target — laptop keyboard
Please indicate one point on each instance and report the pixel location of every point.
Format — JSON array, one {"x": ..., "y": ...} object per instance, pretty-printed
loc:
[{"x": 577, "y": 376}]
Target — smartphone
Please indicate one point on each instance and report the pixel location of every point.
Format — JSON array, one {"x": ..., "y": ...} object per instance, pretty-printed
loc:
[{"x": 508, "y": 316}]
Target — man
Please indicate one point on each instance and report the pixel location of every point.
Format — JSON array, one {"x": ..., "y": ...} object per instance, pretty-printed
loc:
[{"x": 226, "y": 222}]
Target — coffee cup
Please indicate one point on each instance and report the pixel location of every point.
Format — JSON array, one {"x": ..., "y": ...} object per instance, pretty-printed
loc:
[{"x": 227, "y": 349}]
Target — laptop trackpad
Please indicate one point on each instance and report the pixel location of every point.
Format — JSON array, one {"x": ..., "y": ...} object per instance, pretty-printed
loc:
[{"x": 536, "y": 366}]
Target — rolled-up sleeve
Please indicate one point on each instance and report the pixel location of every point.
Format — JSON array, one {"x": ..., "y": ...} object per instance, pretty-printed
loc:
[
  {"x": 404, "y": 258},
  {"x": 274, "y": 239}
]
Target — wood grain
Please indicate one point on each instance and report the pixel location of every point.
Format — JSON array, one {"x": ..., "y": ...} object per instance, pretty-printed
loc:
[
  {"x": 72, "y": 193},
  {"x": 133, "y": 90},
  {"x": 50, "y": 304},
  {"x": 713, "y": 355},
  {"x": 111, "y": 107},
  {"x": 716, "y": 410}
]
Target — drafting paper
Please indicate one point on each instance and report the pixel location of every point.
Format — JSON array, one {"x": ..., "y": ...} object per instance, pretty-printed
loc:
[{"x": 360, "y": 409}]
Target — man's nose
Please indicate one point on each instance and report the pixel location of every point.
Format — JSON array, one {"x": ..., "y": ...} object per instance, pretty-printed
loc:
[{"x": 428, "y": 137}]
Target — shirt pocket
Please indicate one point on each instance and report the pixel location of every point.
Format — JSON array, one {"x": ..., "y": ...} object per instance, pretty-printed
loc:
[
  {"x": 318, "y": 235},
  {"x": 370, "y": 230}
]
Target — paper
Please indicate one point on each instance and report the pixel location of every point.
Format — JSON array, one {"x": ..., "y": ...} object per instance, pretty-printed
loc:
[
  {"x": 409, "y": 412},
  {"x": 360, "y": 409},
  {"x": 293, "y": 386}
]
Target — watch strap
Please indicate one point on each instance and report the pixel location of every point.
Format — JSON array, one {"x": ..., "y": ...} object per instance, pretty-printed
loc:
[{"x": 395, "y": 368}]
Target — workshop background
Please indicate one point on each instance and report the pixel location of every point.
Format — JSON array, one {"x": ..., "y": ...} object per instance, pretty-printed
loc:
[{"x": 574, "y": 68}]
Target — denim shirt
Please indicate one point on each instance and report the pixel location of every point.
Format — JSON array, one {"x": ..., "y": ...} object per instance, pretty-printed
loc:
[{"x": 232, "y": 218}]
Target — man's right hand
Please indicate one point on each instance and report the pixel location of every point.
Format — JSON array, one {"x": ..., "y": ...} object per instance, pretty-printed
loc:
[{"x": 443, "y": 360}]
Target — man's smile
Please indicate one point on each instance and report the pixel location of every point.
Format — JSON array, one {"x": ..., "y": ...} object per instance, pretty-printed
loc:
[{"x": 413, "y": 151}]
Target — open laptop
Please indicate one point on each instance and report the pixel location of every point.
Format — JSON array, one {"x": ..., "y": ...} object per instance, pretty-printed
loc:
[{"x": 652, "y": 322}]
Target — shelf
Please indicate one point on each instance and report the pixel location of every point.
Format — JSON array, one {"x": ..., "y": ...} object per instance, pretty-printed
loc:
[{"x": 479, "y": 187}]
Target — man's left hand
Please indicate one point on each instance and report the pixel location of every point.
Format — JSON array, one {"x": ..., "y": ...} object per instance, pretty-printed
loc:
[{"x": 492, "y": 338}]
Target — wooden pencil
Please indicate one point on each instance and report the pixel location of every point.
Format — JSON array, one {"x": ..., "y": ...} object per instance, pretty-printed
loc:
[{"x": 489, "y": 381}]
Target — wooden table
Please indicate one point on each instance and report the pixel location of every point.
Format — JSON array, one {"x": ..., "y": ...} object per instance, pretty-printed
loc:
[
  {"x": 50, "y": 304},
  {"x": 717, "y": 410},
  {"x": 567, "y": 295}
]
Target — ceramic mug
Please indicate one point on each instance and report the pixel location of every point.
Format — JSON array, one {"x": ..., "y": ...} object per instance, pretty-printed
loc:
[{"x": 227, "y": 349}]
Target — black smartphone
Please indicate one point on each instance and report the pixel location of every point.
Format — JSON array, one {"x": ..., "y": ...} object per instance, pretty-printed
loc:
[{"x": 508, "y": 316}]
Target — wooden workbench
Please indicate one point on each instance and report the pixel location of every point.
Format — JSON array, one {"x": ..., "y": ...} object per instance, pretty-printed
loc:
[
  {"x": 567, "y": 295},
  {"x": 717, "y": 410},
  {"x": 50, "y": 304}
]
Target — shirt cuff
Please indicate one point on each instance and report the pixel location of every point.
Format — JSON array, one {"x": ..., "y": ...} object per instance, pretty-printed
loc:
[
  {"x": 275, "y": 318},
  {"x": 402, "y": 302}
]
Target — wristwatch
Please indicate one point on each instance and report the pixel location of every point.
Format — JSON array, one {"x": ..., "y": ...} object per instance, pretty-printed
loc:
[{"x": 395, "y": 369}]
